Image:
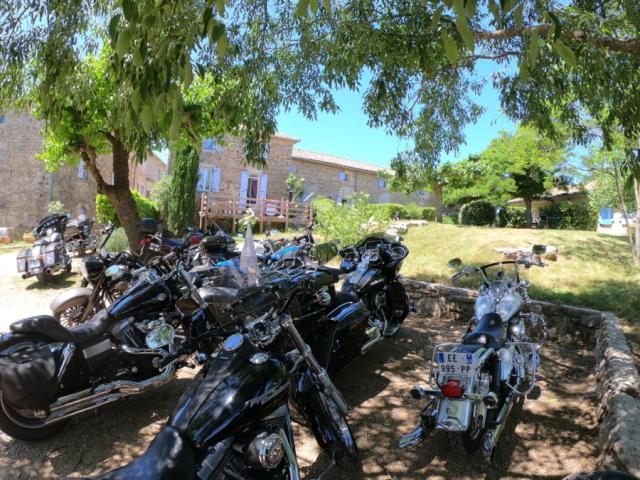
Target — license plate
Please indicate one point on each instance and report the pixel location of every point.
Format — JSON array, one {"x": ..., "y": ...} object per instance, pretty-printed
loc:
[
  {"x": 459, "y": 364},
  {"x": 155, "y": 247}
]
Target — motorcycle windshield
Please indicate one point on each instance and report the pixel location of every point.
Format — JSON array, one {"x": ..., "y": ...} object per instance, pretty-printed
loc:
[{"x": 240, "y": 272}]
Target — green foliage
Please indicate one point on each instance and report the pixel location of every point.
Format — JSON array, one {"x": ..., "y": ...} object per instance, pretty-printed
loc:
[
  {"x": 295, "y": 186},
  {"x": 450, "y": 219},
  {"x": 347, "y": 223},
  {"x": 414, "y": 212},
  {"x": 429, "y": 213},
  {"x": 571, "y": 215},
  {"x": 161, "y": 196},
  {"x": 477, "y": 212},
  {"x": 55, "y": 207},
  {"x": 510, "y": 217},
  {"x": 388, "y": 211},
  {"x": 105, "y": 211},
  {"x": 182, "y": 206},
  {"x": 118, "y": 241},
  {"x": 248, "y": 218}
]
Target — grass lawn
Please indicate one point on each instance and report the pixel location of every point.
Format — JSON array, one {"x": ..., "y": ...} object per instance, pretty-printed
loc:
[
  {"x": 593, "y": 270},
  {"x": 10, "y": 247}
]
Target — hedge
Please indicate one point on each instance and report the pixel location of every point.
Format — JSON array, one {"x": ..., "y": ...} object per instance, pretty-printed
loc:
[
  {"x": 388, "y": 210},
  {"x": 478, "y": 212},
  {"x": 511, "y": 217},
  {"x": 571, "y": 216},
  {"x": 105, "y": 211},
  {"x": 429, "y": 213}
]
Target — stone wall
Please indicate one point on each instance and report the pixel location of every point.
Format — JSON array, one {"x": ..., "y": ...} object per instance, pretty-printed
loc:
[{"x": 617, "y": 379}]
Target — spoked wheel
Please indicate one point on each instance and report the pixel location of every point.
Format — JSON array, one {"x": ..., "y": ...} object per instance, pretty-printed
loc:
[
  {"x": 23, "y": 424},
  {"x": 72, "y": 315}
]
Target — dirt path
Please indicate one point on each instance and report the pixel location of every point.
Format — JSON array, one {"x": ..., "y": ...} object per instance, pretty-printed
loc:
[
  {"x": 546, "y": 438},
  {"x": 23, "y": 298}
]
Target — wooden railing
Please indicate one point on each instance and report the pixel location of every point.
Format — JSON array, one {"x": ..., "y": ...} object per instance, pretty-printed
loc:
[{"x": 216, "y": 206}]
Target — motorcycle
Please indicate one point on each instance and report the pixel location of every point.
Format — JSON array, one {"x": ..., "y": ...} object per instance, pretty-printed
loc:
[
  {"x": 109, "y": 276},
  {"x": 48, "y": 253},
  {"x": 234, "y": 421},
  {"x": 79, "y": 237},
  {"x": 50, "y": 373},
  {"x": 374, "y": 266},
  {"x": 474, "y": 384}
]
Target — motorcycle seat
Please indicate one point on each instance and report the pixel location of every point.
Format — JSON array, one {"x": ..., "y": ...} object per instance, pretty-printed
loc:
[
  {"x": 51, "y": 328},
  {"x": 168, "y": 457},
  {"x": 489, "y": 332}
]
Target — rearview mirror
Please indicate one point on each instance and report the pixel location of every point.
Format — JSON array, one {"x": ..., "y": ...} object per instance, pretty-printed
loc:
[
  {"x": 454, "y": 263},
  {"x": 539, "y": 249}
]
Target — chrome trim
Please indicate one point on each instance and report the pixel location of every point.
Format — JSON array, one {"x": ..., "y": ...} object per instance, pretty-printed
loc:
[{"x": 294, "y": 471}]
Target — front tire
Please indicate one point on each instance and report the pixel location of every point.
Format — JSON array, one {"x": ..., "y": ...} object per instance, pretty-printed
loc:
[{"x": 12, "y": 422}]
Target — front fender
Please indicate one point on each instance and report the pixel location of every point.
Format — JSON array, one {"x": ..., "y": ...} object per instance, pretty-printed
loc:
[
  {"x": 329, "y": 428},
  {"x": 75, "y": 296}
]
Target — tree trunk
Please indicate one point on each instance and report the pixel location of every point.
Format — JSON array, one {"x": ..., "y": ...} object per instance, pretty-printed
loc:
[
  {"x": 625, "y": 213},
  {"x": 636, "y": 224},
  {"x": 527, "y": 211},
  {"x": 119, "y": 194},
  {"x": 438, "y": 189}
]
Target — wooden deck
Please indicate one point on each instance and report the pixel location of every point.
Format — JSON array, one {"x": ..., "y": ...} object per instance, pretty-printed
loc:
[{"x": 221, "y": 206}]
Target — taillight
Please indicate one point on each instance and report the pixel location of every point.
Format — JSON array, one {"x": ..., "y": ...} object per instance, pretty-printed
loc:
[
  {"x": 452, "y": 389},
  {"x": 145, "y": 241}
]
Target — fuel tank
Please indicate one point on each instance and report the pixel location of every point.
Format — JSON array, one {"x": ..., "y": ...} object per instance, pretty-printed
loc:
[
  {"x": 238, "y": 388},
  {"x": 141, "y": 299}
]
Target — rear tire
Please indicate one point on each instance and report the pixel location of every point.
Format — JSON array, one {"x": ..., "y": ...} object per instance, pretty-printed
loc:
[
  {"x": 16, "y": 425},
  {"x": 42, "y": 277}
]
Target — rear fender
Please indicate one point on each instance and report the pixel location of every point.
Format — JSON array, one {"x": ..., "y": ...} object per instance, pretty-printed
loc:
[{"x": 75, "y": 296}]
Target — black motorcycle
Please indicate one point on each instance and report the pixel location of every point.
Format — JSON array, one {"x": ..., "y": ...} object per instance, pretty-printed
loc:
[
  {"x": 49, "y": 373},
  {"x": 108, "y": 274},
  {"x": 79, "y": 236},
  {"x": 373, "y": 266},
  {"x": 234, "y": 420},
  {"x": 48, "y": 253}
]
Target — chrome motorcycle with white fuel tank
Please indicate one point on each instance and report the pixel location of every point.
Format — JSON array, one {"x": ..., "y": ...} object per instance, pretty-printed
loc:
[{"x": 473, "y": 385}]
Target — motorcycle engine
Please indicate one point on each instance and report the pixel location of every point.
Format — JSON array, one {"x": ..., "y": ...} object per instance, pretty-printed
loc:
[{"x": 323, "y": 296}]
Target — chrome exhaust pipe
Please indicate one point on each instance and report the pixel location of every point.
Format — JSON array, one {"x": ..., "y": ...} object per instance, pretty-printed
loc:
[
  {"x": 89, "y": 399},
  {"x": 375, "y": 339},
  {"x": 491, "y": 437}
]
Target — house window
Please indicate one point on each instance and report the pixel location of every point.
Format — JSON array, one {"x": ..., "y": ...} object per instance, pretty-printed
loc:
[
  {"x": 292, "y": 169},
  {"x": 209, "y": 180},
  {"x": 82, "y": 171},
  {"x": 208, "y": 144},
  {"x": 382, "y": 183},
  {"x": 343, "y": 176},
  {"x": 2, "y": 120},
  {"x": 420, "y": 193},
  {"x": 606, "y": 216}
]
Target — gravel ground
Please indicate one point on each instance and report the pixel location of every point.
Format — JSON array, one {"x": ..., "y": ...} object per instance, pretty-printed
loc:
[{"x": 548, "y": 437}]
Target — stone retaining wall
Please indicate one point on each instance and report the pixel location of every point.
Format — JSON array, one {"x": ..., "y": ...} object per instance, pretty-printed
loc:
[{"x": 617, "y": 378}]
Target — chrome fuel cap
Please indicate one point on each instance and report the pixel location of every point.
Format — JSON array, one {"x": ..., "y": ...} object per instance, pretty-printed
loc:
[
  {"x": 233, "y": 342},
  {"x": 259, "y": 358}
]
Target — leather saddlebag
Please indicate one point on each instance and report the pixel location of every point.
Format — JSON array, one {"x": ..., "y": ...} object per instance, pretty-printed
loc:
[{"x": 28, "y": 380}]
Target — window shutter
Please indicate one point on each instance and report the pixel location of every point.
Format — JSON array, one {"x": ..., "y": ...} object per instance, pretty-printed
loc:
[
  {"x": 216, "y": 179},
  {"x": 263, "y": 186},
  {"x": 244, "y": 183},
  {"x": 201, "y": 179},
  {"x": 339, "y": 200}
]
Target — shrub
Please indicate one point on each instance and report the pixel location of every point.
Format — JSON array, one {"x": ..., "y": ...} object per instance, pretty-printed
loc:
[
  {"x": 511, "y": 217},
  {"x": 106, "y": 212},
  {"x": 55, "y": 207},
  {"x": 387, "y": 210},
  {"x": 478, "y": 212},
  {"x": 429, "y": 213},
  {"x": 118, "y": 241},
  {"x": 414, "y": 212},
  {"x": 248, "y": 218},
  {"x": 161, "y": 195},
  {"x": 571, "y": 216},
  {"x": 347, "y": 223},
  {"x": 450, "y": 219}
]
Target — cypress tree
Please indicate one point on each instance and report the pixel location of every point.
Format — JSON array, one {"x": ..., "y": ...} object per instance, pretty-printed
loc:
[{"x": 184, "y": 180}]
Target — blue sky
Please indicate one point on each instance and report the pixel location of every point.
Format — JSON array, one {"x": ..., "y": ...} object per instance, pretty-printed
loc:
[{"x": 346, "y": 134}]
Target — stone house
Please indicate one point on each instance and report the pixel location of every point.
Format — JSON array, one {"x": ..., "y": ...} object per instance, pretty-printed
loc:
[
  {"x": 223, "y": 169},
  {"x": 28, "y": 188}
]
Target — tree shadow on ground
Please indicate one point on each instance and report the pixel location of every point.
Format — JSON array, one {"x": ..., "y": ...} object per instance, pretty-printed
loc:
[{"x": 59, "y": 281}]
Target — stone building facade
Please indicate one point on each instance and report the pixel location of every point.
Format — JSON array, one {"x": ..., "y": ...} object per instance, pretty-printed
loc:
[
  {"x": 223, "y": 169},
  {"x": 27, "y": 187}
]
